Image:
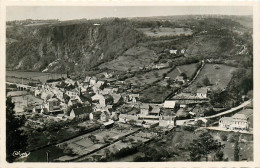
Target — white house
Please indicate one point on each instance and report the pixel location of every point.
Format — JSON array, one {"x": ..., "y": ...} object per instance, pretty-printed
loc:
[
  {"x": 173, "y": 52},
  {"x": 239, "y": 121},
  {"x": 166, "y": 121},
  {"x": 202, "y": 92},
  {"x": 169, "y": 104}
]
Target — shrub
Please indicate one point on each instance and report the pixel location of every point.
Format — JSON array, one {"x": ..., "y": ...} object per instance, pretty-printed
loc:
[{"x": 224, "y": 137}]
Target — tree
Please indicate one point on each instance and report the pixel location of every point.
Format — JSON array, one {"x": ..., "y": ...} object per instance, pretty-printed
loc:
[
  {"x": 219, "y": 155},
  {"x": 206, "y": 81},
  {"x": 16, "y": 140},
  {"x": 202, "y": 146},
  {"x": 236, "y": 151}
]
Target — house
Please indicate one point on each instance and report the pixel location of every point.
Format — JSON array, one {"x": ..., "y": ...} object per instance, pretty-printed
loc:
[
  {"x": 239, "y": 121},
  {"x": 144, "y": 109},
  {"x": 58, "y": 93},
  {"x": 37, "y": 109},
  {"x": 108, "y": 124},
  {"x": 180, "y": 78},
  {"x": 106, "y": 100},
  {"x": 105, "y": 116},
  {"x": 80, "y": 112},
  {"x": 100, "y": 83},
  {"x": 173, "y": 52},
  {"x": 45, "y": 95},
  {"x": 107, "y": 75},
  {"x": 95, "y": 115},
  {"x": 96, "y": 97},
  {"x": 160, "y": 66},
  {"x": 87, "y": 79},
  {"x": 73, "y": 102},
  {"x": 71, "y": 93},
  {"x": 69, "y": 81},
  {"x": 117, "y": 99},
  {"x": 169, "y": 104},
  {"x": 166, "y": 121},
  {"x": 124, "y": 118},
  {"x": 202, "y": 92},
  {"x": 183, "y": 51},
  {"x": 226, "y": 122},
  {"x": 37, "y": 92},
  {"x": 131, "y": 96},
  {"x": 53, "y": 105},
  {"x": 106, "y": 91},
  {"x": 155, "y": 110},
  {"x": 61, "y": 117},
  {"x": 93, "y": 81}
]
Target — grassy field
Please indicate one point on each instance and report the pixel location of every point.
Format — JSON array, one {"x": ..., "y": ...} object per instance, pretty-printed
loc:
[
  {"x": 16, "y": 76},
  {"x": 189, "y": 70},
  {"x": 147, "y": 78},
  {"x": 133, "y": 59},
  {"x": 155, "y": 94},
  {"x": 165, "y": 31},
  {"x": 219, "y": 76},
  {"x": 22, "y": 101}
]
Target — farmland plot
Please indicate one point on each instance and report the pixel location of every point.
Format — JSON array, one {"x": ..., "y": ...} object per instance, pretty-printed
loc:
[
  {"x": 219, "y": 76},
  {"x": 147, "y": 78},
  {"x": 165, "y": 31},
  {"x": 133, "y": 59},
  {"x": 189, "y": 70}
]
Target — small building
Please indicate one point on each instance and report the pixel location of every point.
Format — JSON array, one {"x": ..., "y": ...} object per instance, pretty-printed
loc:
[
  {"x": 166, "y": 121},
  {"x": 53, "y": 105},
  {"x": 183, "y": 51},
  {"x": 180, "y": 78},
  {"x": 87, "y": 79},
  {"x": 169, "y": 104},
  {"x": 95, "y": 115},
  {"x": 202, "y": 92},
  {"x": 73, "y": 102},
  {"x": 124, "y": 118},
  {"x": 105, "y": 116},
  {"x": 173, "y": 52},
  {"x": 239, "y": 121},
  {"x": 144, "y": 109},
  {"x": 93, "y": 81},
  {"x": 81, "y": 112}
]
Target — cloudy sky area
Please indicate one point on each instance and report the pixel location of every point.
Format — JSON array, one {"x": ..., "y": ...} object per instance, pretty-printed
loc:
[{"x": 88, "y": 12}]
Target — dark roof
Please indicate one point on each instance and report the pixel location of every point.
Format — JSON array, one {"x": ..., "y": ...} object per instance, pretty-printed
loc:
[{"x": 82, "y": 110}]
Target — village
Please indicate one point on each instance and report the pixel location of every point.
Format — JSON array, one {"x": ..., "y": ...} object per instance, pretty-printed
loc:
[
  {"x": 104, "y": 111},
  {"x": 130, "y": 89}
]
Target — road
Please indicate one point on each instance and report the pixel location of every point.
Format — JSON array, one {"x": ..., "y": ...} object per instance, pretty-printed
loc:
[
  {"x": 182, "y": 122},
  {"x": 230, "y": 111}
]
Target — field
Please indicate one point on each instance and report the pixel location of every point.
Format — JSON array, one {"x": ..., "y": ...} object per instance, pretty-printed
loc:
[
  {"x": 189, "y": 70},
  {"x": 147, "y": 78},
  {"x": 83, "y": 144},
  {"x": 219, "y": 76},
  {"x": 155, "y": 94},
  {"x": 165, "y": 31},
  {"x": 133, "y": 59},
  {"x": 22, "y": 101},
  {"x": 16, "y": 76},
  {"x": 128, "y": 142}
]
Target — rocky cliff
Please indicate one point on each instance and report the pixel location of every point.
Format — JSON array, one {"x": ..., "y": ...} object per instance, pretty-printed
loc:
[{"x": 67, "y": 47}]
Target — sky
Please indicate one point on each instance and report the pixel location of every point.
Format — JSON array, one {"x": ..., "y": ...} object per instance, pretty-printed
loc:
[{"x": 95, "y": 12}]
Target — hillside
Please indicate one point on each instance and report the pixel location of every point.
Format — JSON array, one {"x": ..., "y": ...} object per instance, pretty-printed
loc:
[
  {"x": 73, "y": 47},
  {"x": 123, "y": 44}
]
